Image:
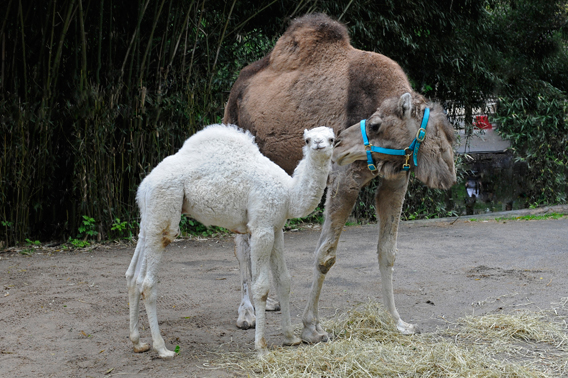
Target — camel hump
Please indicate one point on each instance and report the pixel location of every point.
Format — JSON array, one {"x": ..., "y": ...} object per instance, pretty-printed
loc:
[{"x": 307, "y": 39}]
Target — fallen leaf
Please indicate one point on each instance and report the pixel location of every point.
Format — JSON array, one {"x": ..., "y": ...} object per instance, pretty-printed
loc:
[
  {"x": 109, "y": 371},
  {"x": 84, "y": 334}
]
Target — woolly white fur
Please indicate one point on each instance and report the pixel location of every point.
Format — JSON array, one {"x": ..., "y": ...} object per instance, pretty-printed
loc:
[{"x": 219, "y": 177}]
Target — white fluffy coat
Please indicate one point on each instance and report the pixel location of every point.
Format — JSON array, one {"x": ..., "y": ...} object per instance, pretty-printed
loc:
[{"x": 219, "y": 177}]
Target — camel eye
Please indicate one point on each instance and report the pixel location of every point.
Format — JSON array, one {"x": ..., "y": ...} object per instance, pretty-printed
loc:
[
  {"x": 375, "y": 126},
  {"x": 331, "y": 140},
  {"x": 308, "y": 141}
]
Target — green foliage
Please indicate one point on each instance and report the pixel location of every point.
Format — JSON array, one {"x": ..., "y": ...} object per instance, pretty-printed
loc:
[
  {"x": 532, "y": 217},
  {"x": 76, "y": 243},
  {"x": 188, "y": 226},
  {"x": 119, "y": 226},
  {"x": 538, "y": 130},
  {"x": 93, "y": 96},
  {"x": 30, "y": 244},
  {"x": 87, "y": 228},
  {"x": 316, "y": 217},
  {"x": 123, "y": 229}
]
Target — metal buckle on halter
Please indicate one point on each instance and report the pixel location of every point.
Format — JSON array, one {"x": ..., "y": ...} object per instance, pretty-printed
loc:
[
  {"x": 407, "y": 154},
  {"x": 369, "y": 147},
  {"x": 420, "y": 135},
  {"x": 372, "y": 167}
]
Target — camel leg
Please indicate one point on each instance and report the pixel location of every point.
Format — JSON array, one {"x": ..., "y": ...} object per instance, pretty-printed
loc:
[
  {"x": 142, "y": 280},
  {"x": 389, "y": 200},
  {"x": 282, "y": 281},
  {"x": 134, "y": 295},
  {"x": 158, "y": 228},
  {"x": 246, "y": 318},
  {"x": 343, "y": 187},
  {"x": 261, "y": 245},
  {"x": 149, "y": 290}
]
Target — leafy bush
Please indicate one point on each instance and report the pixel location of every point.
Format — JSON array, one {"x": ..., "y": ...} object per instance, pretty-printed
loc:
[{"x": 538, "y": 130}]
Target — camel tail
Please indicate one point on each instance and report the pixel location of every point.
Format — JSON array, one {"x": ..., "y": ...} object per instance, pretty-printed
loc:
[{"x": 137, "y": 269}]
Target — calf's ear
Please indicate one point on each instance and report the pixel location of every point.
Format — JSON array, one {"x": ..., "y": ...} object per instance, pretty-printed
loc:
[{"x": 405, "y": 105}]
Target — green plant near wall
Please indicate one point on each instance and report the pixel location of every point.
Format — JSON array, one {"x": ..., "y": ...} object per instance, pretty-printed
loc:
[
  {"x": 538, "y": 131},
  {"x": 87, "y": 228}
]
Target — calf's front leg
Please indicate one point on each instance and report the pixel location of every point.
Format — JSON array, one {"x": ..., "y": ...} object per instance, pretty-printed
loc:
[
  {"x": 261, "y": 245},
  {"x": 282, "y": 282}
]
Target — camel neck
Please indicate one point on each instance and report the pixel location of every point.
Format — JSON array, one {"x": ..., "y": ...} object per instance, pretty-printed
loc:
[{"x": 307, "y": 185}]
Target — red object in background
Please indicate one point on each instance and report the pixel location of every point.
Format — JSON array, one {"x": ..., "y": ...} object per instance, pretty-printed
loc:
[{"x": 482, "y": 122}]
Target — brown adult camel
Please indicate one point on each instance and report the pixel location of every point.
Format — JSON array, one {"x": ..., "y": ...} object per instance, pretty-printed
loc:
[{"x": 312, "y": 77}]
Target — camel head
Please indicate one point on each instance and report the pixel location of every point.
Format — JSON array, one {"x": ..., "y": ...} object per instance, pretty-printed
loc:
[
  {"x": 320, "y": 139},
  {"x": 394, "y": 126}
]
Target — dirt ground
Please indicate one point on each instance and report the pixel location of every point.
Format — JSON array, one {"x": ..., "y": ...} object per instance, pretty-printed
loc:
[{"x": 65, "y": 313}]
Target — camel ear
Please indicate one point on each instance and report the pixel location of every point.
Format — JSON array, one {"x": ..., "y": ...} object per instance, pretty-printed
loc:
[
  {"x": 405, "y": 105},
  {"x": 306, "y": 139}
]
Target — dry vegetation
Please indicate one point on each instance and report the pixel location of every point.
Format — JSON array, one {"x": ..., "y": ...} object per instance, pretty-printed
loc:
[{"x": 367, "y": 344}]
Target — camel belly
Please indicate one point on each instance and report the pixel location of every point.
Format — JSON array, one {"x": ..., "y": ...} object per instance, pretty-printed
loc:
[{"x": 225, "y": 213}]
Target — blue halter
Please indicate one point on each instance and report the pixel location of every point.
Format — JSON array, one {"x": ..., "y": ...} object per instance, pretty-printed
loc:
[{"x": 410, "y": 150}]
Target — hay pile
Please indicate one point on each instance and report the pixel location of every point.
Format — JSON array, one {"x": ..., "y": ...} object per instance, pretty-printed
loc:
[{"x": 366, "y": 343}]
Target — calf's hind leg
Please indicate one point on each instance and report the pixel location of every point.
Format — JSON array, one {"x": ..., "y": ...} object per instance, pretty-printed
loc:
[
  {"x": 246, "y": 318},
  {"x": 134, "y": 296},
  {"x": 158, "y": 229}
]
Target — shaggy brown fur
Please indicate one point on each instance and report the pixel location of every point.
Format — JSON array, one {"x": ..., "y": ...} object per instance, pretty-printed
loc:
[{"x": 314, "y": 77}]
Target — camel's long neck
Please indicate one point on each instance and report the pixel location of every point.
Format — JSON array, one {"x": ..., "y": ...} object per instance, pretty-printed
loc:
[{"x": 307, "y": 185}]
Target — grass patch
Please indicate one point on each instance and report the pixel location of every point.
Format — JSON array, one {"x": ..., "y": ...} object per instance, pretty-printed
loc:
[
  {"x": 533, "y": 217},
  {"x": 366, "y": 343}
]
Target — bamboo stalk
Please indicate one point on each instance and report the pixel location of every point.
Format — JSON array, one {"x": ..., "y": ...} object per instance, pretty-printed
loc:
[
  {"x": 221, "y": 41},
  {"x": 83, "y": 80},
  {"x": 21, "y": 12},
  {"x": 184, "y": 28},
  {"x": 142, "y": 66},
  {"x": 136, "y": 32},
  {"x": 197, "y": 28},
  {"x": 99, "y": 47},
  {"x": 57, "y": 61}
]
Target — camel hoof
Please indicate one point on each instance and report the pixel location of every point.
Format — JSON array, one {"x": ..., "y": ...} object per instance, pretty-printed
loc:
[
  {"x": 294, "y": 340},
  {"x": 311, "y": 335},
  {"x": 272, "y": 304},
  {"x": 407, "y": 328},
  {"x": 244, "y": 323},
  {"x": 166, "y": 354},
  {"x": 246, "y": 318},
  {"x": 261, "y": 353},
  {"x": 141, "y": 348}
]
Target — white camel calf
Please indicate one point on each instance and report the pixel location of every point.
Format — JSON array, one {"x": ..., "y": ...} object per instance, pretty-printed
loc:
[{"x": 219, "y": 177}]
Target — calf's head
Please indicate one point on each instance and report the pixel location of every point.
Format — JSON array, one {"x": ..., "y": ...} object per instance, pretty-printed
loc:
[{"x": 394, "y": 126}]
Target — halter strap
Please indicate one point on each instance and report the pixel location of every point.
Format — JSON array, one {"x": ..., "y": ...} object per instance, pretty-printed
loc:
[{"x": 410, "y": 150}]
